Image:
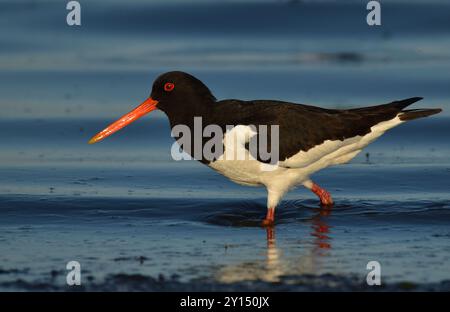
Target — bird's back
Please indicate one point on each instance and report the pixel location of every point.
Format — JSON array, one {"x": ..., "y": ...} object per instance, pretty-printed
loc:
[{"x": 302, "y": 127}]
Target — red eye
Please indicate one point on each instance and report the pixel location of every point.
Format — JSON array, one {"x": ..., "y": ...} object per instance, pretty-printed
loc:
[{"x": 169, "y": 86}]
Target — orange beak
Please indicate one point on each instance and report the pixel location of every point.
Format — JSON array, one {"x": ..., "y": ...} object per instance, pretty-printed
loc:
[{"x": 144, "y": 108}]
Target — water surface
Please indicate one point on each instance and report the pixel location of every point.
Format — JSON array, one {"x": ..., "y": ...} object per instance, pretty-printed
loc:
[{"x": 132, "y": 216}]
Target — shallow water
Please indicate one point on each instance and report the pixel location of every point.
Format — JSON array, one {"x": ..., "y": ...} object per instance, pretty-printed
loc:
[{"x": 125, "y": 207}]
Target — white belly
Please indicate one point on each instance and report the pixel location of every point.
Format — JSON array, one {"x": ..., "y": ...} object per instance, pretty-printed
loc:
[
  {"x": 251, "y": 171},
  {"x": 294, "y": 170}
]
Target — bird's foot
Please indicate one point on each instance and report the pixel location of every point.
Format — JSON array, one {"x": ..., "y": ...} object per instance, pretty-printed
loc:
[
  {"x": 267, "y": 222},
  {"x": 324, "y": 196},
  {"x": 270, "y": 218}
]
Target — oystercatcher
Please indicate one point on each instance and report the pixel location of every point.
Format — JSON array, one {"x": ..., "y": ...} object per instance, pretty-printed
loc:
[{"x": 309, "y": 138}]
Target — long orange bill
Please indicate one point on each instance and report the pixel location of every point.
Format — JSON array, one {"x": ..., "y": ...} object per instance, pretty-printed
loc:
[{"x": 144, "y": 108}]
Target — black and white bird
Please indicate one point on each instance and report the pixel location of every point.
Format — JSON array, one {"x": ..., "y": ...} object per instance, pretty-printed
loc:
[{"x": 309, "y": 138}]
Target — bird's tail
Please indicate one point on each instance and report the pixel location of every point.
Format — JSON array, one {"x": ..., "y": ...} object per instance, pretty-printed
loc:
[{"x": 411, "y": 114}]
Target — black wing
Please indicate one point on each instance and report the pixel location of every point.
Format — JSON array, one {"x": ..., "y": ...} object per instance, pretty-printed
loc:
[{"x": 301, "y": 127}]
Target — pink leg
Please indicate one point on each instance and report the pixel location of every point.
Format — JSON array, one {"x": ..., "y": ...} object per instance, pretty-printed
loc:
[
  {"x": 325, "y": 197},
  {"x": 270, "y": 217}
]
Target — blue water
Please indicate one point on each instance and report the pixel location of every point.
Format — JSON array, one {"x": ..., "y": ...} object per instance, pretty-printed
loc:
[{"x": 124, "y": 206}]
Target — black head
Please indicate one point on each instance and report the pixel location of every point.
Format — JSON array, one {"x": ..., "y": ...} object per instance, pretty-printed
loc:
[
  {"x": 178, "y": 92},
  {"x": 180, "y": 95}
]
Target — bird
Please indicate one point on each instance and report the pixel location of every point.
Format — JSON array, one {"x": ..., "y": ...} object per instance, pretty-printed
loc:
[{"x": 310, "y": 138}]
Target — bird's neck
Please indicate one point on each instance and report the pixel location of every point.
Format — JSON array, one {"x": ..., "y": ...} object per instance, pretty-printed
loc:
[{"x": 186, "y": 116}]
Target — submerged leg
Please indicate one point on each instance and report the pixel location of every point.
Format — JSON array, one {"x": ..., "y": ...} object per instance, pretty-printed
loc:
[
  {"x": 270, "y": 217},
  {"x": 324, "y": 195},
  {"x": 274, "y": 196}
]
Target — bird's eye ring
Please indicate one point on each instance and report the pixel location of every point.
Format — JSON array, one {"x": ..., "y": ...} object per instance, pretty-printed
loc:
[{"x": 169, "y": 86}]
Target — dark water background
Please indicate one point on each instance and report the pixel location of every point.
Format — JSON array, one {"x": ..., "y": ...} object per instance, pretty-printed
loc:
[{"x": 124, "y": 208}]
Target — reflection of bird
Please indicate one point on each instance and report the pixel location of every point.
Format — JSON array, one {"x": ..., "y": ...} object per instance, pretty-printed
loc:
[
  {"x": 310, "y": 138},
  {"x": 321, "y": 229},
  {"x": 277, "y": 264},
  {"x": 268, "y": 268}
]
